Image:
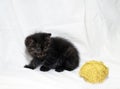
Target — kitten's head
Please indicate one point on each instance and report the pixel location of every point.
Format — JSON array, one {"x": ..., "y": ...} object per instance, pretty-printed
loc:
[{"x": 38, "y": 44}]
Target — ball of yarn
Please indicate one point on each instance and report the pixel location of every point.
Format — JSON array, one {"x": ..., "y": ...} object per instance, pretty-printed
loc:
[{"x": 94, "y": 71}]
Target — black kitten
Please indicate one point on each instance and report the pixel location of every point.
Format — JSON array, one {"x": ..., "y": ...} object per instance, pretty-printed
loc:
[{"x": 51, "y": 52}]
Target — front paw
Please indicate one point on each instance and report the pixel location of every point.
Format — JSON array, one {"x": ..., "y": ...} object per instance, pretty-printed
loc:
[
  {"x": 28, "y": 66},
  {"x": 43, "y": 68},
  {"x": 59, "y": 69}
]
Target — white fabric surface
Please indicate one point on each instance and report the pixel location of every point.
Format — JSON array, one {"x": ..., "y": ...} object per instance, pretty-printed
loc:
[{"x": 92, "y": 25}]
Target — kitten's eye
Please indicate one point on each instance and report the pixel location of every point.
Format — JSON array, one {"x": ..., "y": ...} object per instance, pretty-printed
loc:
[{"x": 32, "y": 45}]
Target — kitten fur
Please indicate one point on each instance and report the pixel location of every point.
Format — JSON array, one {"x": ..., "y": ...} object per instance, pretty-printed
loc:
[{"x": 51, "y": 53}]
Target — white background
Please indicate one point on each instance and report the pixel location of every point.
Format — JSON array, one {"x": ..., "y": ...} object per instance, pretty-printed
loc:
[{"x": 92, "y": 25}]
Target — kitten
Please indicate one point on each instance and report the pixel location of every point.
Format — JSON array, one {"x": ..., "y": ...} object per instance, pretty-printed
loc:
[{"x": 51, "y": 53}]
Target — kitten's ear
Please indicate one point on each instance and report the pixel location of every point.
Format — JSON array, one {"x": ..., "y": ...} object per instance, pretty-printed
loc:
[
  {"x": 48, "y": 34},
  {"x": 28, "y": 41}
]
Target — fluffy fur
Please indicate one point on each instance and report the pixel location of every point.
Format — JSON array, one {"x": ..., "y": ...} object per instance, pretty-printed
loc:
[{"x": 51, "y": 53}]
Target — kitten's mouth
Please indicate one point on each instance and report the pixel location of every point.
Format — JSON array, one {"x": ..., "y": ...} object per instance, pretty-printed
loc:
[{"x": 40, "y": 55}]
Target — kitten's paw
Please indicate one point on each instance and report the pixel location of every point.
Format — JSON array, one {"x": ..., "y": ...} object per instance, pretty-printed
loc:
[
  {"x": 43, "y": 68},
  {"x": 30, "y": 67},
  {"x": 59, "y": 69},
  {"x": 69, "y": 69}
]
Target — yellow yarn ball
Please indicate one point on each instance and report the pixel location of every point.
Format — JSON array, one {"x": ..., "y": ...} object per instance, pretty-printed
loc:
[{"x": 94, "y": 71}]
